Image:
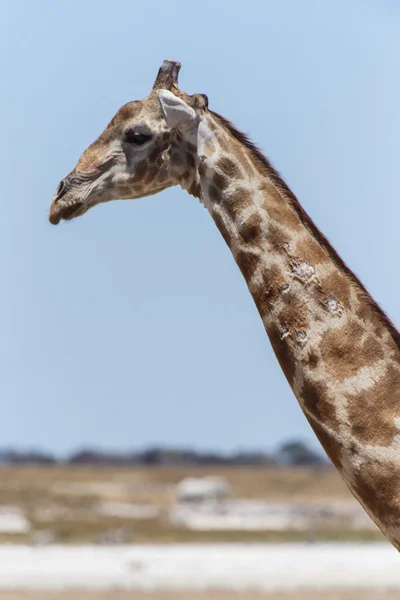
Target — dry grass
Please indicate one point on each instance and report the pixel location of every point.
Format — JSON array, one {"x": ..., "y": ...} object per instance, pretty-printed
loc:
[
  {"x": 157, "y": 483},
  {"x": 73, "y": 492}
]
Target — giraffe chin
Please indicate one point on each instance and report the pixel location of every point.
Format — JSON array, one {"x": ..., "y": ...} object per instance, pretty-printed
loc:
[{"x": 66, "y": 214}]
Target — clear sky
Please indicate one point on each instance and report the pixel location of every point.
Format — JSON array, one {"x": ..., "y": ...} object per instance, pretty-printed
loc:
[{"x": 133, "y": 325}]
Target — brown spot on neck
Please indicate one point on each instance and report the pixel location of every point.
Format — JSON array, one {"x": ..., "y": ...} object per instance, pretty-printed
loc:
[
  {"x": 214, "y": 194},
  {"x": 237, "y": 201},
  {"x": 277, "y": 237},
  {"x": 294, "y": 316},
  {"x": 269, "y": 289},
  {"x": 247, "y": 263},
  {"x": 344, "y": 351},
  {"x": 378, "y": 486},
  {"x": 228, "y": 167},
  {"x": 328, "y": 442},
  {"x": 251, "y": 231},
  {"x": 372, "y": 412},
  {"x": 319, "y": 403},
  {"x": 220, "y": 180}
]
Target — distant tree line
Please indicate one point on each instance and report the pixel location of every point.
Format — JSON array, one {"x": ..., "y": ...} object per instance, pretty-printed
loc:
[{"x": 292, "y": 453}]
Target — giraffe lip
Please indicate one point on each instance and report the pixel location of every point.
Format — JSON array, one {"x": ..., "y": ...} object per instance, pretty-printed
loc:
[{"x": 65, "y": 213}]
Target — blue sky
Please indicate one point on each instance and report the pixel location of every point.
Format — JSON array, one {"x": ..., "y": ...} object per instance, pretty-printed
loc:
[{"x": 133, "y": 325}]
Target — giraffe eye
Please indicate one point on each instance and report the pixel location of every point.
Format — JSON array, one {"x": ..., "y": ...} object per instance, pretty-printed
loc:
[{"x": 137, "y": 138}]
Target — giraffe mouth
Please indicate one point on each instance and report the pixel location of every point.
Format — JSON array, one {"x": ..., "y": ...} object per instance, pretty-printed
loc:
[{"x": 65, "y": 213}]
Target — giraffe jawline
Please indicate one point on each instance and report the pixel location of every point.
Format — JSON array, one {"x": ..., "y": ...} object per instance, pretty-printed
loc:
[{"x": 71, "y": 212}]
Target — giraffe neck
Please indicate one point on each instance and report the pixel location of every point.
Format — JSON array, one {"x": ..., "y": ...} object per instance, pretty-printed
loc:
[{"x": 338, "y": 351}]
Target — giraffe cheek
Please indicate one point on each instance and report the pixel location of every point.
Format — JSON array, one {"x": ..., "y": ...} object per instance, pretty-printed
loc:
[{"x": 140, "y": 171}]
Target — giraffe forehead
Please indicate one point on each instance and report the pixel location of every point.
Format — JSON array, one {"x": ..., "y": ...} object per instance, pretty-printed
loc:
[
  {"x": 146, "y": 113},
  {"x": 127, "y": 112}
]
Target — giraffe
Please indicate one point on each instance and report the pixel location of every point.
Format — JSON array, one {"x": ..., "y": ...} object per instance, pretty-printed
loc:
[{"x": 338, "y": 350}]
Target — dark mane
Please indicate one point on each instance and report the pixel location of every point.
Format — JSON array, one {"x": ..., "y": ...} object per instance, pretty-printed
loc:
[{"x": 264, "y": 165}]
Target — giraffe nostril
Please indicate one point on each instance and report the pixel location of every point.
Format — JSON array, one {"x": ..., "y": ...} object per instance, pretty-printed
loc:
[{"x": 61, "y": 189}]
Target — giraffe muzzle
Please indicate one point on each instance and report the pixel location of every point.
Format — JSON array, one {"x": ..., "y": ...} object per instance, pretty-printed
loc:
[
  {"x": 66, "y": 212},
  {"x": 62, "y": 206}
]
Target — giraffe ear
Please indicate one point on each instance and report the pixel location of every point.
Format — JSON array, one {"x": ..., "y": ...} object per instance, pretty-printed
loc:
[{"x": 176, "y": 111}]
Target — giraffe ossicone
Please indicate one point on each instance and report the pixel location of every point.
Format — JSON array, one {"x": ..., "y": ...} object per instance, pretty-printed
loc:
[{"x": 336, "y": 347}]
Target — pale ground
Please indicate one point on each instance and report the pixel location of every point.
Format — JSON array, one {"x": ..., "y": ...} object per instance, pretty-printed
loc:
[
  {"x": 193, "y": 568},
  {"x": 110, "y": 595}
]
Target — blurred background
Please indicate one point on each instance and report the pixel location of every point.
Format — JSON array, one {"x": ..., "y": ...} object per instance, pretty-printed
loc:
[{"x": 142, "y": 405}]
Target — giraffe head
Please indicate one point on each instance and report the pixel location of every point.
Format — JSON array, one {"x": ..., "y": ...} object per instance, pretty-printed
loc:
[{"x": 148, "y": 146}]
